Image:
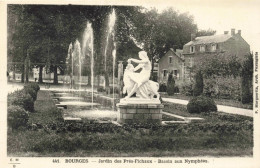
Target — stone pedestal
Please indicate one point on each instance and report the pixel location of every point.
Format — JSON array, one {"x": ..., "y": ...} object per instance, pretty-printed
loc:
[{"x": 136, "y": 110}]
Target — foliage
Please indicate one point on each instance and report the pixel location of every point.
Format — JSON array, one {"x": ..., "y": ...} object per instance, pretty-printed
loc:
[
  {"x": 201, "y": 104},
  {"x": 31, "y": 92},
  {"x": 223, "y": 87},
  {"x": 218, "y": 64},
  {"x": 170, "y": 84},
  {"x": 163, "y": 87},
  {"x": 101, "y": 89},
  {"x": 34, "y": 86},
  {"x": 158, "y": 32},
  {"x": 208, "y": 32},
  {"x": 247, "y": 77},
  {"x": 219, "y": 132},
  {"x": 187, "y": 88},
  {"x": 198, "y": 87},
  {"x": 176, "y": 89},
  {"x": 17, "y": 117},
  {"x": 23, "y": 99}
]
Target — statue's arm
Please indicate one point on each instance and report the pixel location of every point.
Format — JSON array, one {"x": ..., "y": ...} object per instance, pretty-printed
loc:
[
  {"x": 138, "y": 61},
  {"x": 138, "y": 67}
]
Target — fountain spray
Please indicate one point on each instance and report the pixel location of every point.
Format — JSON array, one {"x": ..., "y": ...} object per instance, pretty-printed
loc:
[
  {"x": 114, "y": 62},
  {"x": 88, "y": 44},
  {"x": 111, "y": 24},
  {"x": 69, "y": 60}
]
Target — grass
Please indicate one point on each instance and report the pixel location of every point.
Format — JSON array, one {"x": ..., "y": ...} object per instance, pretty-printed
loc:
[
  {"x": 218, "y": 136},
  {"x": 225, "y": 102}
]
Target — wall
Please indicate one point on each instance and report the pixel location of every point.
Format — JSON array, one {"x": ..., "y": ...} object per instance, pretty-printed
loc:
[
  {"x": 236, "y": 46},
  {"x": 175, "y": 65}
]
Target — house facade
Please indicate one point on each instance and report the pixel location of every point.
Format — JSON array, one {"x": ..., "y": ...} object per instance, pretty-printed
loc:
[
  {"x": 180, "y": 62},
  {"x": 226, "y": 44},
  {"x": 171, "y": 62}
]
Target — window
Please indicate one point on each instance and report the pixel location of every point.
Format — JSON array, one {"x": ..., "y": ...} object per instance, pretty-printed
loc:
[
  {"x": 202, "y": 48},
  {"x": 170, "y": 59},
  {"x": 213, "y": 47},
  {"x": 165, "y": 73},
  {"x": 192, "y": 49},
  {"x": 175, "y": 72}
]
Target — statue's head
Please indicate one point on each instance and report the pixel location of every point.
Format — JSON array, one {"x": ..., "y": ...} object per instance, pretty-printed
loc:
[{"x": 143, "y": 55}]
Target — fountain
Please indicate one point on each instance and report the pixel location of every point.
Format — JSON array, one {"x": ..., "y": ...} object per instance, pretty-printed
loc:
[
  {"x": 78, "y": 57},
  {"x": 69, "y": 63},
  {"x": 111, "y": 24},
  {"x": 114, "y": 62},
  {"x": 88, "y": 42},
  {"x": 143, "y": 108}
]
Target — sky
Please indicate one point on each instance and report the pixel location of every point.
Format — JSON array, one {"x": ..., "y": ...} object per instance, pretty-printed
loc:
[{"x": 221, "y": 16}]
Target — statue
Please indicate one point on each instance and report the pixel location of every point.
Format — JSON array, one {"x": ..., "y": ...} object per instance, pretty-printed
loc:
[{"x": 139, "y": 83}]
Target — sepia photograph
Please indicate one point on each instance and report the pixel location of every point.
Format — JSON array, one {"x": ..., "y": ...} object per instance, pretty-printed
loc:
[{"x": 130, "y": 84}]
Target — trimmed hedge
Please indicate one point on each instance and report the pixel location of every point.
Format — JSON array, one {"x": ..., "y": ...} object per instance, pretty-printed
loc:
[
  {"x": 163, "y": 88},
  {"x": 17, "y": 117},
  {"x": 34, "y": 86},
  {"x": 170, "y": 84},
  {"x": 31, "y": 92},
  {"x": 201, "y": 104},
  {"x": 23, "y": 99}
]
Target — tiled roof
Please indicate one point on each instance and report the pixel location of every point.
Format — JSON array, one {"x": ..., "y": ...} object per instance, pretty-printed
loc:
[
  {"x": 178, "y": 52},
  {"x": 210, "y": 39}
]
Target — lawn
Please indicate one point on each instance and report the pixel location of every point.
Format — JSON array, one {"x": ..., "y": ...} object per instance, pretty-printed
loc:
[{"x": 47, "y": 135}]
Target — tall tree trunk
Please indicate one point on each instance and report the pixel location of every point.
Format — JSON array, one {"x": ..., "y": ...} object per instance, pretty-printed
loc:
[
  {"x": 98, "y": 80},
  {"x": 106, "y": 79},
  {"x": 14, "y": 73},
  {"x": 22, "y": 76},
  {"x": 40, "y": 75},
  {"x": 27, "y": 69},
  {"x": 89, "y": 80},
  {"x": 55, "y": 80},
  {"x": 151, "y": 77}
]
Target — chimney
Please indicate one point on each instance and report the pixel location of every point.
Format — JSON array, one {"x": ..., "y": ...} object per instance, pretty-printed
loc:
[
  {"x": 232, "y": 32},
  {"x": 193, "y": 37},
  {"x": 225, "y": 32},
  {"x": 239, "y": 32}
]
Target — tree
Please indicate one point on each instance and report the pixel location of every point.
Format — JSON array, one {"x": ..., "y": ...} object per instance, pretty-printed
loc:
[
  {"x": 247, "y": 78},
  {"x": 198, "y": 88},
  {"x": 208, "y": 32},
  {"x": 170, "y": 84},
  {"x": 160, "y": 32}
]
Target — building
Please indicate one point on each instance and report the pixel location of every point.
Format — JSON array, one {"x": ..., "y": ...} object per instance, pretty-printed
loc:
[
  {"x": 180, "y": 62},
  {"x": 171, "y": 62},
  {"x": 226, "y": 44}
]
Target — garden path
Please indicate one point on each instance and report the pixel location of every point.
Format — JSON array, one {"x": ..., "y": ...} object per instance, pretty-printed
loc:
[{"x": 225, "y": 109}]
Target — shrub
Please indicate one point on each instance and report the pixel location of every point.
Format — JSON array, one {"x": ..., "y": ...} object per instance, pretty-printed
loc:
[
  {"x": 31, "y": 92},
  {"x": 247, "y": 76},
  {"x": 101, "y": 89},
  {"x": 198, "y": 88},
  {"x": 176, "y": 89},
  {"x": 187, "y": 89},
  {"x": 201, "y": 104},
  {"x": 17, "y": 117},
  {"x": 34, "y": 86},
  {"x": 223, "y": 87},
  {"x": 163, "y": 88},
  {"x": 170, "y": 84},
  {"x": 23, "y": 99}
]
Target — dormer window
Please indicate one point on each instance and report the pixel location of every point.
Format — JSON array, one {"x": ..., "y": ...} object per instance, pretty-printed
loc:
[
  {"x": 192, "y": 49},
  {"x": 213, "y": 47},
  {"x": 202, "y": 48}
]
